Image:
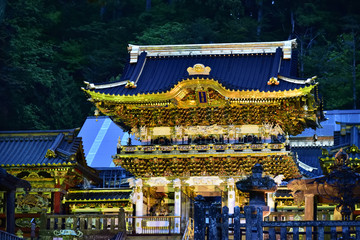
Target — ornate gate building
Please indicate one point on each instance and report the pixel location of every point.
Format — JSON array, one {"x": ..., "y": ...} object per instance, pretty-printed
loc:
[{"x": 205, "y": 115}]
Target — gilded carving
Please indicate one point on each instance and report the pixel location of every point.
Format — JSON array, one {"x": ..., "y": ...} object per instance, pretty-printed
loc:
[
  {"x": 157, "y": 181},
  {"x": 207, "y": 181},
  {"x": 198, "y": 69},
  {"x": 50, "y": 154},
  {"x": 32, "y": 202}
]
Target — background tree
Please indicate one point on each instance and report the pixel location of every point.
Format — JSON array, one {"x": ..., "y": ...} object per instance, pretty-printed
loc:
[{"x": 49, "y": 47}]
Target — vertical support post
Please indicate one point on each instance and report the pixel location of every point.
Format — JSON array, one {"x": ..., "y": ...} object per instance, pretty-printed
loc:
[
  {"x": 309, "y": 207},
  {"x": 177, "y": 204},
  {"x": 231, "y": 195},
  {"x": 121, "y": 220},
  {"x": 225, "y": 224},
  {"x": 213, "y": 230},
  {"x": 248, "y": 217},
  {"x": 10, "y": 211},
  {"x": 271, "y": 202},
  {"x": 237, "y": 230},
  {"x": 57, "y": 197},
  {"x": 139, "y": 202},
  {"x": 199, "y": 218},
  {"x": 43, "y": 221},
  {"x": 259, "y": 223}
]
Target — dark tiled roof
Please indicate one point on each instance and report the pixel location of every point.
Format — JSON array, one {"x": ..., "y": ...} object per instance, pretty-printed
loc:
[
  {"x": 309, "y": 156},
  {"x": 30, "y": 147},
  {"x": 329, "y": 126},
  {"x": 10, "y": 182},
  {"x": 283, "y": 193},
  {"x": 109, "y": 194},
  {"x": 234, "y": 71}
]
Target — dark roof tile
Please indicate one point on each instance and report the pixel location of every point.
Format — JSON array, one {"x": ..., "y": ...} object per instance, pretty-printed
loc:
[
  {"x": 101, "y": 195},
  {"x": 233, "y": 71},
  {"x": 28, "y": 148}
]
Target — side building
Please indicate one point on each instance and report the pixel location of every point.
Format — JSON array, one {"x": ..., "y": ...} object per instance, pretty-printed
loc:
[{"x": 52, "y": 162}]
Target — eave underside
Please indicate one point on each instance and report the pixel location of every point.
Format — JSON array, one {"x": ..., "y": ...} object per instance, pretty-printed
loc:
[{"x": 207, "y": 166}]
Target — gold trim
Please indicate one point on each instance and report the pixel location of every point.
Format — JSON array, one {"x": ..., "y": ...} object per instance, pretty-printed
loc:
[
  {"x": 99, "y": 191},
  {"x": 175, "y": 93},
  {"x": 38, "y": 165},
  {"x": 202, "y": 155},
  {"x": 96, "y": 200}
]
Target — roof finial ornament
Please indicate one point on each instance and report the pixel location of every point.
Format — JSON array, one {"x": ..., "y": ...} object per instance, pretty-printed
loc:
[
  {"x": 199, "y": 69},
  {"x": 273, "y": 81},
  {"x": 130, "y": 84},
  {"x": 96, "y": 113}
]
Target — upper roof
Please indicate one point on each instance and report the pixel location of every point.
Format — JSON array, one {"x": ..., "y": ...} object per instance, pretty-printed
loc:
[
  {"x": 236, "y": 66},
  {"x": 26, "y": 148}
]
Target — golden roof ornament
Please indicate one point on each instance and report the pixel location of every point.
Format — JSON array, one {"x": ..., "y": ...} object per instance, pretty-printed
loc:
[
  {"x": 199, "y": 69},
  {"x": 273, "y": 81},
  {"x": 130, "y": 84},
  {"x": 50, "y": 154}
]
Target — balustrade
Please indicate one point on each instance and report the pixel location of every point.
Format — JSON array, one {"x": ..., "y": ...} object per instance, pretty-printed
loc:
[
  {"x": 90, "y": 224},
  {"x": 201, "y": 148}
]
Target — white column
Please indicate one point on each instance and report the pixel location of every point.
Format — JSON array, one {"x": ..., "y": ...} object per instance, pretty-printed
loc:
[
  {"x": 231, "y": 195},
  {"x": 139, "y": 205},
  {"x": 271, "y": 202},
  {"x": 177, "y": 204}
]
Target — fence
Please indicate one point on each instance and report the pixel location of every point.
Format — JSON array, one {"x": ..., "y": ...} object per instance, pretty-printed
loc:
[
  {"x": 249, "y": 225},
  {"x": 91, "y": 224},
  {"x": 79, "y": 225},
  {"x": 8, "y": 236},
  {"x": 154, "y": 225}
]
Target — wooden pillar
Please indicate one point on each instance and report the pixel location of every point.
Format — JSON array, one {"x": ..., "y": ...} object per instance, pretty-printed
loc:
[
  {"x": 57, "y": 198},
  {"x": 10, "y": 211},
  {"x": 309, "y": 207}
]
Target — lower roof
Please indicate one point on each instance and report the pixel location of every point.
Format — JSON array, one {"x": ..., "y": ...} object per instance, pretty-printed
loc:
[
  {"x": 99, "y": 195},
  {"x": 39, "y": 148}
]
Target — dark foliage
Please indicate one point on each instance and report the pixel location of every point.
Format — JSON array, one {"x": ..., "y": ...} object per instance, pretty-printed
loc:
[{"x": 49, "y": 47}]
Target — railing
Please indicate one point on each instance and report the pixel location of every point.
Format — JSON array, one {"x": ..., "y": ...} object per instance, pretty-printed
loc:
[
  {"x": 249, "y": 225},
  {"x": 189, "y": 230},
  {"x": 201, "y": 148},
  {"x": 8, "y": 236},
  {"x": 85, "y": 224},
  {"x": 92, "y": 224},
  {"x": 153, "y": 225}
]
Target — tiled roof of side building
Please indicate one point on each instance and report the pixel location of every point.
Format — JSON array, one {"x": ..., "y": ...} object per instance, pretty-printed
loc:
[
  {"x": 100, "y": 136},
  {"x": 250, "y": 70},
  {"x": 20, "y": 148},
  {"x": 309, "y": 156},
  {"x": 330, "y": 125},
  {"x": 98, "y": 195}
]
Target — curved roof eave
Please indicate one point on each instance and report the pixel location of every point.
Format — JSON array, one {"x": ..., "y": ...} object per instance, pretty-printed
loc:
[{"x": 206, "y": 82}]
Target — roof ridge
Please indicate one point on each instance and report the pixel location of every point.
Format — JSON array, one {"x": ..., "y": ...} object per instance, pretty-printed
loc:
[{"x": 211, "y": 49}]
